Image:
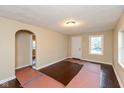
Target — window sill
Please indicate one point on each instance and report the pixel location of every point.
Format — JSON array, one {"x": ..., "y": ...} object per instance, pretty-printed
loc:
[{"x": 96, "y": 54}]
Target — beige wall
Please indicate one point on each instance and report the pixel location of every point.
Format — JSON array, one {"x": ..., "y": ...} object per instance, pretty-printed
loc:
[
  {"x": 118, "y": 67},
  {"x": 23, "y": 49},
  {"x": 51, "y": 46},
  {"x": 107, "y": 57}
]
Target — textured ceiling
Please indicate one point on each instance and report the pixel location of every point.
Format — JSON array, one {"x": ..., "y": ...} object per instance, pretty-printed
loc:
[{"x": 90, "y": 18}]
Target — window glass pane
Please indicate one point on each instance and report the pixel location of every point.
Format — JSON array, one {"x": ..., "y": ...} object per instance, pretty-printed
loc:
[
  {"x": 121, "y": 47},
  {"x": 96, "y": 45}
]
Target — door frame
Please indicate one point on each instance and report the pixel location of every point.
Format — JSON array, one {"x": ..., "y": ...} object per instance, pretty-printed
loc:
[{"x": 31, "y": 47}]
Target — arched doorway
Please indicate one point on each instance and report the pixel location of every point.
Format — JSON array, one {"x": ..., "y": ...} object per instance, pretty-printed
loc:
[{"x": 25, "y": 45}]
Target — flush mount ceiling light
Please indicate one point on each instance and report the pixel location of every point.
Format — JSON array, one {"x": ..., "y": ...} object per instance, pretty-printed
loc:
[{"x": 70, "y": 23}]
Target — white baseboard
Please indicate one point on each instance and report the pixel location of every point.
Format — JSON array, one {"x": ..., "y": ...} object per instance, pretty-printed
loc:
[
  {"x": 118, "y": 78},
  {"x": 50, "y": 63},
  {"x": 23, "y": 66},
  {"x": 94, "y": 61},
  {"x": 7, "y": 79}
]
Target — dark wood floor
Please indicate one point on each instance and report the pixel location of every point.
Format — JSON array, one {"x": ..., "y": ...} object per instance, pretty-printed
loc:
[
  {"x": 107, "y": 75},
  {"x": 108, "y": 78},
  {"x": 63, "y": 71},
  {"x": 11, "y": 84}
]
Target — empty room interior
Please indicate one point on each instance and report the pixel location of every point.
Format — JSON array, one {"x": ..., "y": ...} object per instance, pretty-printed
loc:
[{"x": 62, "y": 46}]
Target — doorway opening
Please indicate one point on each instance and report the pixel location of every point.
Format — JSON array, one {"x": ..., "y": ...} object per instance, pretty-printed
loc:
[{"x": 25, "y": 44}]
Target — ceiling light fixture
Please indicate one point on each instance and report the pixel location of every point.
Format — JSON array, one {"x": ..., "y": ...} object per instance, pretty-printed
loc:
[{"x": 71, "y": 23}]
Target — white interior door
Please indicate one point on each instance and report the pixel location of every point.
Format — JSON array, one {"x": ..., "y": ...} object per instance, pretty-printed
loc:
[{"x": 76, "y": 46}]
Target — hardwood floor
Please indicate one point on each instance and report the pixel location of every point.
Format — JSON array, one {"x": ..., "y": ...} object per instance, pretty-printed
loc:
[
  {"x": 108, "y": 78},
  {"x": 11, "y": 84},
  {"x": 59, "y": 72},
  {"x": 63, "y": 71}
]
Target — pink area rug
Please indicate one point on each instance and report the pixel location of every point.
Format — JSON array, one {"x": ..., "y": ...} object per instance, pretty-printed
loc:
[
  {"x": 44, "y": 82},
  {"x": 86, "y": 65},
  {"x": 30, "y": 78},
  {"x": 95, "y": 68},
  {"x": 88, "y": 77},
  {"x": 26, "y": 74}
]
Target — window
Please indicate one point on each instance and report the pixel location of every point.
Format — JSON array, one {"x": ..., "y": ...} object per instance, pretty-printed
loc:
[
  {"x": 121, "y": 48},
  {"x": 96, "y": 44}
]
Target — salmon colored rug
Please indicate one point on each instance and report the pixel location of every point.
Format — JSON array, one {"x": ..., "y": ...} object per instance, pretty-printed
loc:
[
  {"x": 30, "y": 78},
  {"x": 87, "y": 77},
  {"x": 44, "y": 82}
]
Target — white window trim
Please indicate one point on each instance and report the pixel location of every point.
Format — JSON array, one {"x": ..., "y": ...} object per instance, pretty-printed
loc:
[
  {"x": 102, "y": 44},
  {"x": 119, "y": 62}
]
